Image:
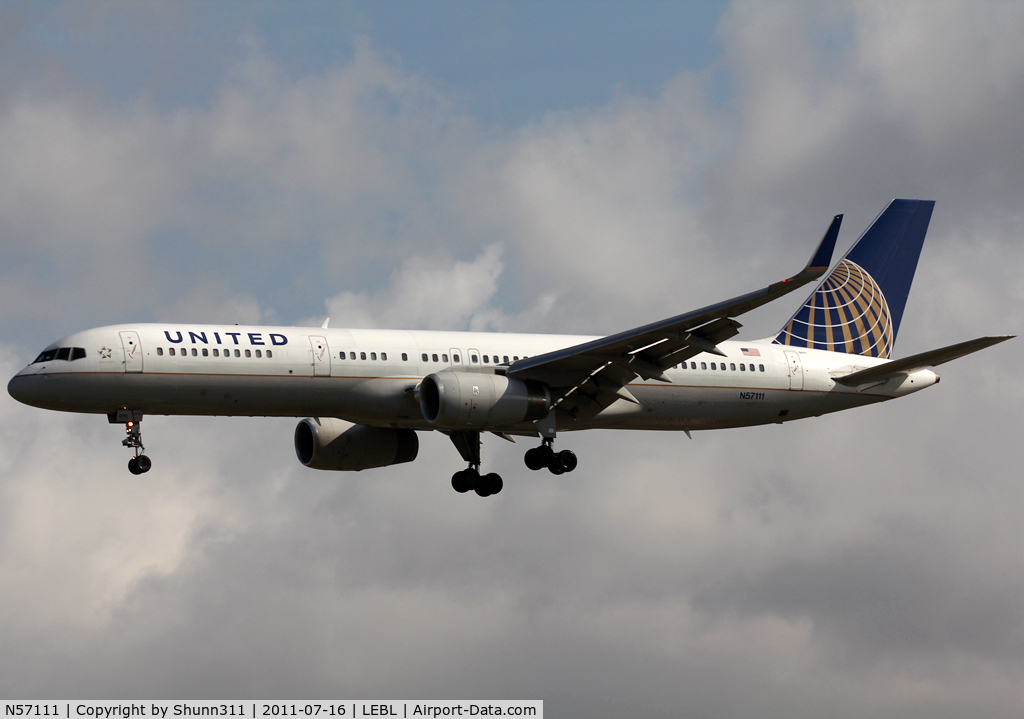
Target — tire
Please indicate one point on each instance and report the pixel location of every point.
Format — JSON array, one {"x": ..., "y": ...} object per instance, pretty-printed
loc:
[
  {"x": 556, "y": 466},
  {"x": 144, "y": 463},
  {"x": 534, "y": 459},
  {"x": 133, "y": 466},
  {"x": 568, "y": 460},
  {"x": 544, "y": 454},
  {"x": 493, "y": 482},
  {"x": 462, "y": 481}
]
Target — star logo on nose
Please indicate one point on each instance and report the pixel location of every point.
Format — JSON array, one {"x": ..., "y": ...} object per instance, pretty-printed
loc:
[{"x": 105, "y": 352}]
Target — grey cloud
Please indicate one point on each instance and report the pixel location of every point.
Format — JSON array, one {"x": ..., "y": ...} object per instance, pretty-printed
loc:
[{"x": 862, "y": 564}]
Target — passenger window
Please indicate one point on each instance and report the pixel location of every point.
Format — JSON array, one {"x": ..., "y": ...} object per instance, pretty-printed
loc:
[
  {"x": 473, "y": 359},
  {"x": 341, "y": 356},
  {"x": 362, "y": 355},
  {"x": 258, "y": 353},
  {"x": 444, "y": 358},
  {"x": 515, "y": 358},
  {"x": 424, "y": 356},
  {"x": 170, "y": 351},
  {"x": 456, "y": 359},
  {"x": 247, "y": 353},
  {"x": 195, "y": 353},
  {"x": 351, "y": 355},
  {"x": 216, "y": 352},
  {"x": 743, "y": 367},
  {"x": 405, "y": 357},
  {"x": 713, "y": 366},
  {"x": 723, "y": 367},
  {"x": 373, "y": 356},
  {"x": 159, "y": 351},
  {"x": 504, "y": 358},
  {"x": 206, "y": 352},
  {"x": 704, "y": 365},
  {"x": 384, "y": 356},
  {"x": 693, "y": 365},
  {"x": 762, "y": 367},
  {"x": 433, "y": 357},
  {"x": 237, "y": 353},
  {"x": 732, "y": 366},
  {"x": 485, "y": 359},
  {"x": 270, "y": 354}
]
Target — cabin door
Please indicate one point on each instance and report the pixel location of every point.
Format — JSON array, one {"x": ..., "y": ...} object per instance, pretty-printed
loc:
[
  {"x": 132, "y": 351},
  {"x": 796, "y": 370},
  {"x": 321, "y": 357}
]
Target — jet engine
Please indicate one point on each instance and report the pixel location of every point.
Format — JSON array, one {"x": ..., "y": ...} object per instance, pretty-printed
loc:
[
  {"x": 328, "y": 443},
  {"x": 470, "y": 400}
]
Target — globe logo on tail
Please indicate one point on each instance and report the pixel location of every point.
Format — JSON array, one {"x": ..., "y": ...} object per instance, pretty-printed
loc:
[{"x": 847, "y": 313}]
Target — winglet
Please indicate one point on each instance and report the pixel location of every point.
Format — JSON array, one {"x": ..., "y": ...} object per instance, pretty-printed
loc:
[
  {"x": 823, "y": 255},
  {"x": 818, "y": 264}
]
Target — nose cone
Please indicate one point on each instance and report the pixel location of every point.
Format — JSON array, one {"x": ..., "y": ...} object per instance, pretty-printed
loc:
[{"x": 26, "y": 387}]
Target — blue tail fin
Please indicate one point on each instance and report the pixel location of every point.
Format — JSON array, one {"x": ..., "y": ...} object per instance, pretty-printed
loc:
[{"x": 857, "y": 308}]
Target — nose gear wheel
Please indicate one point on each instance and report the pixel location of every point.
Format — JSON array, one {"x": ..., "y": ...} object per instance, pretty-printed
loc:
[{"x": 140, "y": 463}]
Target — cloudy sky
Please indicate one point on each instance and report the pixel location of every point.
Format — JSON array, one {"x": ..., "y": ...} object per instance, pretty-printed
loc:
[{"x": 562, "y": 167}]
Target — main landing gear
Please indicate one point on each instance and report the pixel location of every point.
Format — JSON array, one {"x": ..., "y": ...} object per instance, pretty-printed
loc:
[
  {"x": 468, "y": 444},
  {"x": 140, "y": 463},
  {"x": 545, "y": 456}
]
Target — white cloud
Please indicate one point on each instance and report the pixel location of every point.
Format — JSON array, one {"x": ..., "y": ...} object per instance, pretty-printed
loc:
[{"x": 436, "y": 292}]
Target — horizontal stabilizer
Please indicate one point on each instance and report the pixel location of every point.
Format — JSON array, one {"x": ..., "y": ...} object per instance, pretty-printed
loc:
[{"x": 925, "y": 360}]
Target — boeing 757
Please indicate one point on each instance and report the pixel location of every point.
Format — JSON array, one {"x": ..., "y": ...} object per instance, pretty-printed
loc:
[{"x": 366, "y": 394}]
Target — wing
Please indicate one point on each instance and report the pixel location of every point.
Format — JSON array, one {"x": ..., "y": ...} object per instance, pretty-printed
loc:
[
  {"x": 586, "y": 378},
  {"x": 925, "y": 360}
]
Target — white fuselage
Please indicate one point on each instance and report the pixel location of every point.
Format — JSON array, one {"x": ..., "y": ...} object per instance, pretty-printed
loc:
[{"x": 298, "y": 372}]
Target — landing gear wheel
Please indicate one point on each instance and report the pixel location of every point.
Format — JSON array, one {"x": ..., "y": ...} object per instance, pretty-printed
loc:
[
  {"x": 539, "y": 457},
  {"x": 556, "y": 466},
  {"x": 495, "y": 482},
  {"x": 144, "y": 463},
  {"x": 568, "y": 460},
  {"x": 489, "y": 484},
  {"x": 465, "y": 480},
  {"x": 533, "y": 459},
  {"x": 133, "y": 466}
]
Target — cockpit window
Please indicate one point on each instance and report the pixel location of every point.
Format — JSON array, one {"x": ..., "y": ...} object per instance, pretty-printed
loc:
[{"x": 61, "y": 353}]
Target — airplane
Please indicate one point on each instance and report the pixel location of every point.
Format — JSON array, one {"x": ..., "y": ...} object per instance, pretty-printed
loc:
[{"x": 366, "y": 393}]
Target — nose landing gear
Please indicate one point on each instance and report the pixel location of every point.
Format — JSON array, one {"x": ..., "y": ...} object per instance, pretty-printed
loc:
[
  {"x": 545, "y": 456},
  {"x": 140, "y": 463}
]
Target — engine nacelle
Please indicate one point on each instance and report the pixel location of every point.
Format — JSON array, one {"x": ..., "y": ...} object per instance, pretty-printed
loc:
[
  {"x": 334, "y": 444},
  {"x": 471, "y": 400}
]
